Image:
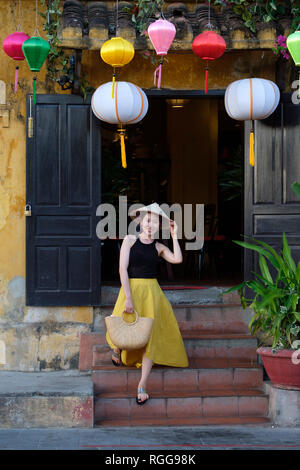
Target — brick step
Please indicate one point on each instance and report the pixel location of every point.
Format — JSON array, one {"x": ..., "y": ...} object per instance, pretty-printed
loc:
[
  {"x": 124, "y": 380},
  {"x": 199, "y": 346},
  {"x": 210, "y": 421},
  {"x": 214, "y": 318},
  {"x": 179, "y": 394},
  {"x": 204, "y": 406},
  {"x": 200, "y": 334},
  {"x": 94, "y": 350},
  {"x": 194, "y": 363}
]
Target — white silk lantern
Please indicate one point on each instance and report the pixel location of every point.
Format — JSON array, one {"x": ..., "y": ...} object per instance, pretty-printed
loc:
[
  {"x": 128, "y": 106},
  {"x": 250, "y": 99}
]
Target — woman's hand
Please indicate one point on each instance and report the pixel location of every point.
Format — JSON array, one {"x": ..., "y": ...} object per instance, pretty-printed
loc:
[
  {"x": 128, "y": 306},
  {"x": 173, "y": 228}
]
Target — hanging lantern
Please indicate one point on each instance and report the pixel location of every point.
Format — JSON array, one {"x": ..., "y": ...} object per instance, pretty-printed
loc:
[
  {"x": 117, "y": 52},
  {"x": 129, "y": 106},
  {"x": 293, "y": 45},
  {"x": 12, "y": 46},
  {"x": 250, "y": 99},
  {"x": 161, "y": 33},
  {"x": 36, "y": 50},
  {"x": 208, "y": 46}
]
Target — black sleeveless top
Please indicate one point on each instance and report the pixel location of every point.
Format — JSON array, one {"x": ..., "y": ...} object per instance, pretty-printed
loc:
[{"x": 143, "y": 260}]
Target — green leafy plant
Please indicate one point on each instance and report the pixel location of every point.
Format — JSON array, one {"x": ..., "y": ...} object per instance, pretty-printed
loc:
[
  {"x": 276, "y": 303},
  {"x": 250, "y": 11},
  {"x": 142, "y": 11},
  {"x": 57, "y": 61},
  {"x": 253, "y": 12},
  {"x": 231, "y": 175}
]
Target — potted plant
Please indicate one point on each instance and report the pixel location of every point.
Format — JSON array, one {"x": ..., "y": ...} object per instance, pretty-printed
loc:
[{"x": 276, "y": 307}]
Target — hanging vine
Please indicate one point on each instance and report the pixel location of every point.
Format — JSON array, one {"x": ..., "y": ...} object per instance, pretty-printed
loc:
[
  {"x": 250, "y": 11},
  {"x": 58, "y": 63},
  {"x": 253, "y": 12}
]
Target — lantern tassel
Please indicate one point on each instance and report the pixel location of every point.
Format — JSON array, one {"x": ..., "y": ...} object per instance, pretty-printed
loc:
[
  {"x": 16, "y": 79},
  {"x": 34, "y": 90},
  {"x": 251, "y": 148},
  {"x": 123, "y": 151},
  {"x": 157, "y": 76},
  {"x": 206, "y": 78}
]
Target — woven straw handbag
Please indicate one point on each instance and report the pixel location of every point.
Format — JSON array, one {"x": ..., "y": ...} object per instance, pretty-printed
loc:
[{"x": 129, "y": 335}]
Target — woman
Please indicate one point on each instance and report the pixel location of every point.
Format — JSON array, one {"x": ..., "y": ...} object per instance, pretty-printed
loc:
[{"x": 141, "y": 291}]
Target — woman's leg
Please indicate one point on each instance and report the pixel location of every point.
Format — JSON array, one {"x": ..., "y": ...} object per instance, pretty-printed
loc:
[
  {"x": 117, "y": 353},
  {"x": 146, "y": 368}
]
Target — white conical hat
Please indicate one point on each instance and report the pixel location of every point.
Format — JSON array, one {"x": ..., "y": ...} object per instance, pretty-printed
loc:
[{"x": 154, "y": 207}]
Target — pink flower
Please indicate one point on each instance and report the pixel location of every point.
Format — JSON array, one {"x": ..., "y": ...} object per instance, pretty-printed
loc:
[{"x": 281, "y": 40}]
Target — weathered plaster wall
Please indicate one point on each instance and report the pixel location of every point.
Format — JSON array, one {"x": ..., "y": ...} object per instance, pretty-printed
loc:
[
  {"x": 184, "y": 70},
  {"x": 31, "y": 338},
  {"x": 48, "y": 338}
]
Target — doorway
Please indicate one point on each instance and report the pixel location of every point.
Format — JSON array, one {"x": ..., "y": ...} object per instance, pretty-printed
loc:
[{"x": 186, "y": 150}]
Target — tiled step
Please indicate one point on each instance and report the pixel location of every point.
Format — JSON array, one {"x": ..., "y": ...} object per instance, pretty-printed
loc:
[
  {"x": 209, "y": 295},
  {"x": 214, "y": 318},
  {"x": 194, "y": 363},
  {"x": 228, "y": 346},
  {"x": 95, "y": 351},
  {"x": 208, "y": 421},
  {"x": 166, "y": 380},
  {"x": 175, "y": 405},
  {"x": 206, "y": 346}
]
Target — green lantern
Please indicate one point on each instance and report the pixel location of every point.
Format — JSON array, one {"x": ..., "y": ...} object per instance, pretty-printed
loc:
[
  {"x": 293, "y": 45},
  {"x": 35, "y": 50}
]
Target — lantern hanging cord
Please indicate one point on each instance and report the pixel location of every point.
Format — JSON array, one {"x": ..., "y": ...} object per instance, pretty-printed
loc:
[
  {"x": 36, "y": 31},
  {"x": 19, "y": 28},
  {"x": 117, "y": 18},
  {"x": 209, "y": 23}
]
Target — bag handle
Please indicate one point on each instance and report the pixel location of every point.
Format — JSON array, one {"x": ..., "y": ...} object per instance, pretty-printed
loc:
[{"x": 127, "y": 322}]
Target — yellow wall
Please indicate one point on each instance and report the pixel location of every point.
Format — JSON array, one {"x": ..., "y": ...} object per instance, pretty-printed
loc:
[
  {"x": 27, "y": 346},
  {"x": 184, "y": 70}
]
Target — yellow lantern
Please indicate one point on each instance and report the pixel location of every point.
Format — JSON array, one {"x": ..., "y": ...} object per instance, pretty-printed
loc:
[{"x": 117, "y": 52}]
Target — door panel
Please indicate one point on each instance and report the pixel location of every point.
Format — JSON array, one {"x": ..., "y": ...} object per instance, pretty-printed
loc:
[
  {"x": 63, "y": 186},
  {"x": 271, "y": 206}
]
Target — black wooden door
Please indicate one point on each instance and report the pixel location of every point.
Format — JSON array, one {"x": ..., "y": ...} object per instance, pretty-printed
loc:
[
  {"x": 271, "y": 206},
  {"x": 63, "y": 187}
]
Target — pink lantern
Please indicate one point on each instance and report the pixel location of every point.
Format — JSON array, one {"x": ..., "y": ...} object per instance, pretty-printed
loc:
[
  {"x": 161, "y": 33},
  {"x": 12, "y": 46}
]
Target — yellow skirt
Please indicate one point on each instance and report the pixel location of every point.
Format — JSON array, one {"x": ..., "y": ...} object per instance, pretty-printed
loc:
[{"x": 165, "y": 345}]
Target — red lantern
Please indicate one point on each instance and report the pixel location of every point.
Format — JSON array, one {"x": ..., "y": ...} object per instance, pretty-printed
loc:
[
  {"x": 208, "y": 46},
  {"x": 12, "y": 46}
]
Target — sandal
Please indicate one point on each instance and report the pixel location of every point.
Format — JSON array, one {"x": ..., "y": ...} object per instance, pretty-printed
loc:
[
  {"x": 141, "y": 390},
  {"x": 117, "y": 356}
]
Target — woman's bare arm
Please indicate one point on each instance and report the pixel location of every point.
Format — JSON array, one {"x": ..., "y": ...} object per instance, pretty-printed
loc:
[
  {"x": 124, "y": 261},
  {"x": 168, "y": 255}
]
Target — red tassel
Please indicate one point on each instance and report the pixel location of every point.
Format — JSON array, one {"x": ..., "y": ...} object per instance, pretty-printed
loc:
[
  {"x": 206, "y": 78},
  {"x": 16, "y": 79}
]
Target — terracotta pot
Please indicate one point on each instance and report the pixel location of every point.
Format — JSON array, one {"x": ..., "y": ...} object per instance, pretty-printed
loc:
[{"x": 283, "y": 367}]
